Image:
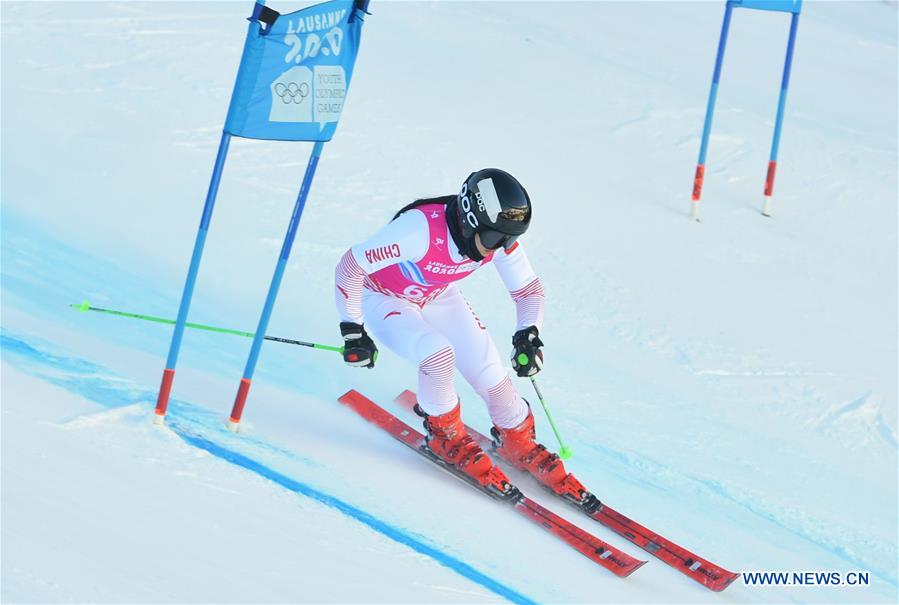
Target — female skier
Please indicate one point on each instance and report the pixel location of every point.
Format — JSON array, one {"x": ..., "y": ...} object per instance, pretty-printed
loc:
[{"x": 400, "y": 285}]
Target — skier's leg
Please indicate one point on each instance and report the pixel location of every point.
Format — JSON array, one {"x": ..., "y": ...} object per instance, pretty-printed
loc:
[
  {"x": 477, "y": 357},
  {"x": 479, "y": 361},
  {"x": 399, "y": 325}
]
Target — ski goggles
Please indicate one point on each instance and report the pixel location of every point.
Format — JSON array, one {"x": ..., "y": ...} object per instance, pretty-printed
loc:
[{"x": 494, "y": 240}]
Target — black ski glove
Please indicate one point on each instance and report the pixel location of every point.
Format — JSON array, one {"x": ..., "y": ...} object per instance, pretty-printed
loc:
[
  {"x": 359, "y": 350},
  {"x": 527, "y": 358}
]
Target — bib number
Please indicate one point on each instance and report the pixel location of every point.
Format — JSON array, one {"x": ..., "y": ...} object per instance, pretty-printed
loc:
[{"x": 414, "y": 292}]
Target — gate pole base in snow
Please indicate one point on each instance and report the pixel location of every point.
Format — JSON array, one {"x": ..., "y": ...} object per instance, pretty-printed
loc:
[
  {"x": 697, "y": 191},
  {"x": 769, "y": 188},
  {"x": 168, "y": 374},
  {"x": 241, "y": 399},
  {"x": 239, "y": 402}
]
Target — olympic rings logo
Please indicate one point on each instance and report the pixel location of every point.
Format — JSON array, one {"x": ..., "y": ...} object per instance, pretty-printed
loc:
[{"x": 292, "y": 92}]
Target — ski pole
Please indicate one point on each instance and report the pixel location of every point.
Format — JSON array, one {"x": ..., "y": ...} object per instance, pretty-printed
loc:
[
  {"x": 564, "y": 450},
  {"x": 85, "y": 307}
]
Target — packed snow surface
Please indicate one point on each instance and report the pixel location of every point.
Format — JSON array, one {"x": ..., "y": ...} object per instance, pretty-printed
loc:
[{"x": 732, "y": 384}]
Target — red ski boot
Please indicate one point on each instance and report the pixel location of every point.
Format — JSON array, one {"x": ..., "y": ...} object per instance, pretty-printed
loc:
[
  {"x": 518, "y": 446},
  {"x": 448, "y": 439}
]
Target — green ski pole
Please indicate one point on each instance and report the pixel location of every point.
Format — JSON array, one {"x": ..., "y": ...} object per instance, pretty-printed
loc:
[
  {"x": 564, "y": 451},
  {"x": 85, "y": 307}
]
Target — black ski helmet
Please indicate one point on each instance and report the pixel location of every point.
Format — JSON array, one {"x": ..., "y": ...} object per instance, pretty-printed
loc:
[{"x": 492, "y": 203}]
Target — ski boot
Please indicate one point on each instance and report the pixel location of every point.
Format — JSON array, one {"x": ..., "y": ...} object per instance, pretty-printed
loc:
[
  {"x": 518, "y": 447},
  {"x": 448, "y": 440}
]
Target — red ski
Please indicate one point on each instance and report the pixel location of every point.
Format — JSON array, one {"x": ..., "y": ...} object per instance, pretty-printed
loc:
[
  {"x": 705, "y": 572},
  {"x": 619, "y": 563}
]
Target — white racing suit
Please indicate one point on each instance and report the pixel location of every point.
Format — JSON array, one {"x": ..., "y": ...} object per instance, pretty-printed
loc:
[{"x": 400, "y": 283}]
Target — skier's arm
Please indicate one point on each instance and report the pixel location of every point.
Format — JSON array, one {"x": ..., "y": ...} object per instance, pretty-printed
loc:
[
  {"x": 526, "y": 290},
  {"x": 403, "y": 239},
  {"x": 523, "y": 284}
]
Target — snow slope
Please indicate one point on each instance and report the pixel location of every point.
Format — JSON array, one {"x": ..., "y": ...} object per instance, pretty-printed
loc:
[
  {"x": 161, "y": 499},
  {"x": 731, "y": 384}
]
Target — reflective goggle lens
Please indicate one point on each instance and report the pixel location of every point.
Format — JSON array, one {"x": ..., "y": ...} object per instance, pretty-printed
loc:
[{"x": 494, "y": 240}]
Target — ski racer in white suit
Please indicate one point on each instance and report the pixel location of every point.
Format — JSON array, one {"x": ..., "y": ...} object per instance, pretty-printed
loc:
[{"x": 400, "y": 285}]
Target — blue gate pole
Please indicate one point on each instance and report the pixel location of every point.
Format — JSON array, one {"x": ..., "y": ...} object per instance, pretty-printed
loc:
[
  {"x": 168, "y": 374},
  {"x": 244, "y": 388},
  {"x": 778, "y": 123},
  {"x": 709, "y": 112}
]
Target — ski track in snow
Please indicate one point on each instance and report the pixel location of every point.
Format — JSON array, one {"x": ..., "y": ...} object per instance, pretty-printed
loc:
[
  {"x": 204, "y": 430},
  {"x": 663, "y": 478},
  {"x": 96, "y": 384},
  {"x": 373, "y": 522}
]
